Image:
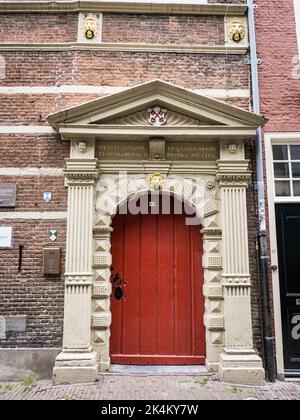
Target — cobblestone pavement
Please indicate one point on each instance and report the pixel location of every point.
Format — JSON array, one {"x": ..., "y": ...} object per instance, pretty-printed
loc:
[{"x": 141, "y": 387}]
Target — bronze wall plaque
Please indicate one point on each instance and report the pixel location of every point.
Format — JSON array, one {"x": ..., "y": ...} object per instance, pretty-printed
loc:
[
  {"x": 52, "y": 261},
  {"x": 108, "y": 150},
  {"x": 8, "y": 195},
  {"x": 192, "y": 151}
]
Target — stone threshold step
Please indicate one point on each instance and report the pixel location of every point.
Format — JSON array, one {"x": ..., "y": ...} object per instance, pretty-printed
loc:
[{"x": 158, "y": 370}]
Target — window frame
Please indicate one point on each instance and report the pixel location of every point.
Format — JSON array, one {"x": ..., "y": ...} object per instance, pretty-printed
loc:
[{"x": 282, "y": 141}]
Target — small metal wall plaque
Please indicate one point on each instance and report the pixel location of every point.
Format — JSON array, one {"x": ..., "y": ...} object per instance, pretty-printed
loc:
[
  {"x": 8, "y": 195},
  {"x": 52, "y": 235},
  {"x": 47, "y": 197},
  {"x": 16, "y": 323},
  {"x": 6, "y": 234},
  {"x": 52, "y": 261}
]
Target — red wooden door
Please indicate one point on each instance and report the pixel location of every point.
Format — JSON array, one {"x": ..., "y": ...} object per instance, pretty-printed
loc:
[{"x": 161, "y": 319}]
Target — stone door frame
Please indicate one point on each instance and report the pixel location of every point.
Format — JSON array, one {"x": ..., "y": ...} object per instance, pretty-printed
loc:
[
  {"x": 107, "y": 205},
  {"x": 91, "y": 206}
]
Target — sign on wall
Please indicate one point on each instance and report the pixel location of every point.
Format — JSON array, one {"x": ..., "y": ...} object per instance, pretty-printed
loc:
[
  {"x": 8, "y": 195},
  {"x": 6, "y": 237}
]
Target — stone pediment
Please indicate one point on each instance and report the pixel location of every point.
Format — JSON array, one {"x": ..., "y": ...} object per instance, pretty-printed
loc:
[{"x": 175, "y": 112}]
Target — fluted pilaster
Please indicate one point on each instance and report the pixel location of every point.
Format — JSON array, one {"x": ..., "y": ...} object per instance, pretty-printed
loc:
[
  {"x": 77, "y": 362},
  {"x": 238, "y": 361}
]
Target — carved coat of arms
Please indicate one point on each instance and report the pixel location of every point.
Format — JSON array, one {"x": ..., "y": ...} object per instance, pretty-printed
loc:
[{"x": 157, "y": 116}]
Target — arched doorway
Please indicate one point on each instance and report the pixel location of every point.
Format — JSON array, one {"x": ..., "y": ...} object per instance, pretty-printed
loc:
[{"x": 161, "y": 319}]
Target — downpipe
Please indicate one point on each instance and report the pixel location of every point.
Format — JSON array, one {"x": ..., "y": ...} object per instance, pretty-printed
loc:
[{"x": 269, "y": 339}]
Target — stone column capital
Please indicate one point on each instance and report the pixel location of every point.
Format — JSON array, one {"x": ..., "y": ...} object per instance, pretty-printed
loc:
[
  {"x": 233, "y": 173},
  {"x": 83, "y": 172}
]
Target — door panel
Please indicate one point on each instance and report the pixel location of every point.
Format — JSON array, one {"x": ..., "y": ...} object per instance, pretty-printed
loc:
[
  {"x": 161, "y": 319},
  {"x": 288, "y": 233}
]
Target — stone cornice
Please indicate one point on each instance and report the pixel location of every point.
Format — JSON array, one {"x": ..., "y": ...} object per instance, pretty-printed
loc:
[
  {"x": 124, "y": 47},
  {"x": 74, "y": 131},
  {"x": 116, "y": 6}
]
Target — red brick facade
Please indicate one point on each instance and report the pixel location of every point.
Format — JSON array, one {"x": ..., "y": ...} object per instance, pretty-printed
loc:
[
  {"x": 28, "y": 292},
  {"x": 278, "y": 50}
]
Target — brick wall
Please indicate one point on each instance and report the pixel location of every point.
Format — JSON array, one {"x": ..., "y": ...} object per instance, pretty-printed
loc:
[
  {"x": 28, "y": 292},
  {"x": 277, "y": 47},
  {"x": 29, "y": 150},
  {"x": 163, "y": 29},
  {"x": 256, "y": 293},
  {"x": 38, "y": 27},
  {"x": 194, "y": 71}
]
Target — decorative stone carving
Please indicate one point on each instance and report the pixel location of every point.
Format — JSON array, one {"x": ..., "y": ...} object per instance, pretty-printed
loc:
[
  {"x": 237, "y": 30},
  {"x": 157, "y": 116},
  {"x": 214, "y": 322},
  {"x": 232, "y": 150},
  {"x": 156, "y": 181},
  {"x": 89, "y": 27},
  {"x": 100, "y": 337},
  {"x": 102, "y": 259},
  {"x": 212, "y": 291},
  {"x": 210, "y": 185},
  {"x": 101, "y": 320},
  {"x": 217, "y": 338},
  {"x": 142, "y": 118},
  {"x": 78, "y": 280},
  {"x": 102, "y": 288},
  {"x": 82, "y": 149}
]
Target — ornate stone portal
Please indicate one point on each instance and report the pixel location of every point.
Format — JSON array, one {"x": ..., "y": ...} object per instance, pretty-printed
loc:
[{"x": 216, "y": 188}]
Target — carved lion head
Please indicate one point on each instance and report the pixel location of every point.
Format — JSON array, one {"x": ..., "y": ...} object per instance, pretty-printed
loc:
[{"x": 237, "y": 31}]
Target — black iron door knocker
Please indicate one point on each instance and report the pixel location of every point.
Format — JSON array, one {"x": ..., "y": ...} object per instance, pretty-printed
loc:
[{"x": 118, "y": 285}]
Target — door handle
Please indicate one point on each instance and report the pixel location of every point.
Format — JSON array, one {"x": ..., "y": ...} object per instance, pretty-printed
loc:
[
  {"x": 118, "y": 285},
  {"x": 274, "y": 268}
]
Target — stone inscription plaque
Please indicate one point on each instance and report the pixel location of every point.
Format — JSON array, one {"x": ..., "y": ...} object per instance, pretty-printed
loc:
[
  {"x": 6, "y": 234},
  {"x": 16, "y": 323},
  {"x": 123, "y": 151},
  {"x": 52, "y": 261},
  {"x": 8, "y": 195},
  {"x": 192, "y": 151}
]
